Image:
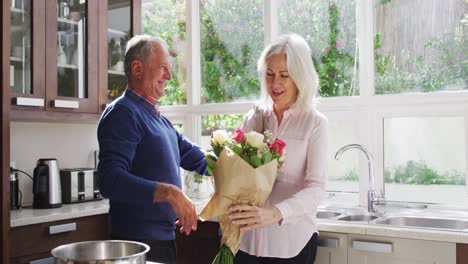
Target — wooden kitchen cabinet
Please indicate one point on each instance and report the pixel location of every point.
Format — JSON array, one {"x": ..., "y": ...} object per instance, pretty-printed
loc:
[
  {"x": 462, "y": 253},
  {"x": 332, "y": 248},
  {"x": 364, "y": 249},
  {"x": 33, "y": 242},
  {"x": 201, "y": 246},
  {"x": 68, "y": 72}
]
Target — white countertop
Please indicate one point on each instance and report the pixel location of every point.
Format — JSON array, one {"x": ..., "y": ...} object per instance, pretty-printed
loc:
[
  {"x": 392, "y": 231},
  {"x": 30, "y": 216}
]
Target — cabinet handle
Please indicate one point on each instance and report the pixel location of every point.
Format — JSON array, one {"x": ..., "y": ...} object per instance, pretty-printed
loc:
[
  {"x": 66, "y": 104},
  {"x": 12, "y": 75},
  {"x": 24, "y": 101},
  {"x": 380, "y": 247},
  {"x": 43, "y": 261},
  {"x": 62, "y": 228},
  {"x": 328, "y": 242}
]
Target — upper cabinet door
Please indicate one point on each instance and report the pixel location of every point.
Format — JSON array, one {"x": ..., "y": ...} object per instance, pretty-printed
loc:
[
  {"x": 72, "y": 56},
  {"x": 27, "y": 80},
  {"x": 119, "y": 21},
  {"x": 118, "y": 33}
]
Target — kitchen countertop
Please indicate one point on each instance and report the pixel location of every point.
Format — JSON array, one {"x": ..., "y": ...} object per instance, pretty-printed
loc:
[
  {"x": 30, "y": 216},
  {"x": 392, "y": 231}
]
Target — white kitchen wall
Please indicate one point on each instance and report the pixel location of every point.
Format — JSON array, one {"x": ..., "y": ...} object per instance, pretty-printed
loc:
[{"x": 73, "y": 145}]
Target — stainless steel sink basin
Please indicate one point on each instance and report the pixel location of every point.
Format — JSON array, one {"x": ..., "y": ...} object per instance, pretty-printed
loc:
[
  {"x": 424, "y": 222},
  {"x": 327, "y": 214},
  {"x": 358, "y": 218}
]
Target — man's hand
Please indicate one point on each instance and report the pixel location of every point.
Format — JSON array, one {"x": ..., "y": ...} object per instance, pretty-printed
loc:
[
  {"x": 252, "y": 217},
  {"x": 181, "y": 204}
]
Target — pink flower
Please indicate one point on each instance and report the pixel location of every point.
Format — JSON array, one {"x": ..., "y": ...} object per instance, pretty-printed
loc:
[
  {"x": 239, "y": 136},
  {"x": 339, "y": 44},
  {"x": 278, "y": 146},
  {"x": 327, "y": 49},
  {"x": 332, "y": 5}
]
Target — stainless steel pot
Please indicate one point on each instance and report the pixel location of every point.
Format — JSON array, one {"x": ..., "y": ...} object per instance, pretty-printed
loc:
[{"x": 101, "y": 252}]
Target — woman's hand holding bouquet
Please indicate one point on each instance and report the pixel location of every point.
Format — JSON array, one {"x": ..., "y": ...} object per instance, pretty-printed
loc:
[{"x": 244, "y": 167}]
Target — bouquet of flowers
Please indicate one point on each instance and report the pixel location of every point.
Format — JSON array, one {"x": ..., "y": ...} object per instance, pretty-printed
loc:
[{"x": 244, "y": 167}]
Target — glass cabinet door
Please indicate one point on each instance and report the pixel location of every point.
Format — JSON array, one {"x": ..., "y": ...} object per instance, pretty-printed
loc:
[
  {"x": 21, "y": 46},
  {"x": 118, "y": 34},
  {"x": 71, "y": 48},
  {"x": 72, "y": 55}
]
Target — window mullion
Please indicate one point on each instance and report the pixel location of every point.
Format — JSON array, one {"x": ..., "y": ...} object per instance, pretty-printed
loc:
[
  {"x": 365, "y": 36},
  {"x": 270, "y": 20},
  {"x": 193, "y": 130}
]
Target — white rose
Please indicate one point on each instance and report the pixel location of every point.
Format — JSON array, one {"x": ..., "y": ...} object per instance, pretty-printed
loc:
[
  {"x": 254, "y": 139},
  {"x": 262, "y": 149},
  {"x": 219, "y": 137}
]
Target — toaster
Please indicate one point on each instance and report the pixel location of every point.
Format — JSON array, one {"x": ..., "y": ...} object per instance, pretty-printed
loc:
[{"x": 79, "y": 185}]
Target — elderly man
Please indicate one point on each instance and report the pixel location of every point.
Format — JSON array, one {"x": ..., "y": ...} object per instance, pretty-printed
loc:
[{"x": 140, "y": 156}]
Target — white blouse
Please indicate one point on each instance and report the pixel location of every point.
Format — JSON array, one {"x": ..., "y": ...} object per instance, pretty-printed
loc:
[{"x": 300, "y": 186}]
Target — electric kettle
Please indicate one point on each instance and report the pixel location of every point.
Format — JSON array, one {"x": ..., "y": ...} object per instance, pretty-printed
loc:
[{"x": 47, "y": 192}]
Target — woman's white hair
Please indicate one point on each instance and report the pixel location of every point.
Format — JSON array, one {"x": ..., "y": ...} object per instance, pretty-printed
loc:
[{"x": 300, "y": 68}]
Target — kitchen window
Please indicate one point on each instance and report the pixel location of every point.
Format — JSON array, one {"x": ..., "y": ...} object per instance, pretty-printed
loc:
[
  {"x": 388, "y": 71},
  {"x": 167, "y": 20},
  {"x": 425, "y": 159},
  {"x": 231, "y": 39},
  {"x": 420, "y": 46}
]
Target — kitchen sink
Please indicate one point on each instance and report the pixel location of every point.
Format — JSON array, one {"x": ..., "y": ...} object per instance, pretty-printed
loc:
[
  {"x": 440, "y": 223},
  {"x": 358, "y": 218},
  {"x": 327, "y": 214}
]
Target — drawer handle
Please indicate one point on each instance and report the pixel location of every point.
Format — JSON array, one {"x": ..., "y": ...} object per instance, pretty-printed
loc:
[
  {"x": 24, "y": 101},
  {"x": 373, "y": 246},
  {"x": 328, "y": 242},
  {"x": 62, "y": 228},
  {"x": 66, "y": 104}
]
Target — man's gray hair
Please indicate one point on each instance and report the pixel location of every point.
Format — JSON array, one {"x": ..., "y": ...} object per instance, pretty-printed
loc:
[
  {"x": 300, "y": 67},
  {"x": 140, "y": 48}
]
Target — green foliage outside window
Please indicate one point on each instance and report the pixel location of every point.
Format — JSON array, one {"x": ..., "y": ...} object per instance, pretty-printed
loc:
[
  {"x": 335, "y": 68},
  {"x": 226, "y": 122},
  {"x": 228, "y": 69},
  {"x": 448, "y": 69},
  {"x": 166, "y": 19},
  {"x": 418, "y": 172},
  {"x": 414, "y": 172}
]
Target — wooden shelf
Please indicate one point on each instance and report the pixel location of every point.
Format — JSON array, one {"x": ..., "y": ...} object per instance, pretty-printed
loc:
[
  {"x": 17, "y": 10},
  {"x": 116, "y": 32},
  {"x": 17, "y": 59},
  {"x": 69, "y": 66},
  {"x": 67, "y": 21},
  {"x": 116, "y": 72}
]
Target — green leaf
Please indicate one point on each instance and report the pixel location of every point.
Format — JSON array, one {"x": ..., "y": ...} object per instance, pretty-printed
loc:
[
  {"x": 217, "y": 150},
  {"x": 256, "y": 161},
  {"x": 211, "y": 159},
  {"x": 238, "y": 149},
  {"x": 210, "y": 170},
  {"x": 267, "y": 157}
]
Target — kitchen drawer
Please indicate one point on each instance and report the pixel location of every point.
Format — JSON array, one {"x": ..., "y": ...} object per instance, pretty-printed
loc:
[{"x": 42, "y": 238}]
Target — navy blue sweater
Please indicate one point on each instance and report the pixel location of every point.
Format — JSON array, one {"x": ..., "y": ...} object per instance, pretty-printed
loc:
[{"x": 138, "y": 149}]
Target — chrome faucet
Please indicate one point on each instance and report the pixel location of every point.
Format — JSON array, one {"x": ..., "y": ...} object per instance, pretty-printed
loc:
[{"x": 372, "y": 198}]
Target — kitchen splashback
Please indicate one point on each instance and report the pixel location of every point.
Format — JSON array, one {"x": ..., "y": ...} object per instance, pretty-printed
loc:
[{"x": 73, "y": 145}]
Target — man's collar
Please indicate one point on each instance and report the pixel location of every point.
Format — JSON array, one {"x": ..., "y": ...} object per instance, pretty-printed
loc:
[
  {"x": 148, "y": 102},
  {"x": 148, "y": 98}
]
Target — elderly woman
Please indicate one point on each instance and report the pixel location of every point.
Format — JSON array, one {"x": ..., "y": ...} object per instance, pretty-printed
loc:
[{"x": 284, "y": 230}]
